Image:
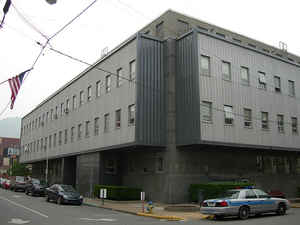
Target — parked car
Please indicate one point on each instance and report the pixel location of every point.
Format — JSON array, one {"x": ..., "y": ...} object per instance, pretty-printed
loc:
[
  {"x": 61, "y": 193},
  {"x": 35, "y": 187},
  {"x": 243, "y": 202},
  {"x": 17, "y": 183},
  {"x": 276, "y": 194},
  {"x": 6, "y": 184}
]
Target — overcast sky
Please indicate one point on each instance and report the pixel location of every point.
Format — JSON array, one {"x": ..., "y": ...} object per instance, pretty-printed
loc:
[{"x": 109, "y": 22}]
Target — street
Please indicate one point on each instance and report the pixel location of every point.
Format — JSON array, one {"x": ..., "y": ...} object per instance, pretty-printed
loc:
[{"x": 18, "y": 208}]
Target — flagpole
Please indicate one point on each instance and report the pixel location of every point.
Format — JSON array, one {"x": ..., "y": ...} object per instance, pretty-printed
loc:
[{"x": 3, "y": 82}]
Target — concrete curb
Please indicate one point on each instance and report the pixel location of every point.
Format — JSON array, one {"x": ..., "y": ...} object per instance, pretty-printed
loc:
[
  {"x": 170, "y": 218},
  {"x": 108, "y": 208}
]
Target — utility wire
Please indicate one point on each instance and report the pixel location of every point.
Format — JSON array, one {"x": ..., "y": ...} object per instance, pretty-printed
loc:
[
  {"x": 5, "y": 108},
  {"x": 29, "y": 23},
  {"x": 61, "y": 29}
]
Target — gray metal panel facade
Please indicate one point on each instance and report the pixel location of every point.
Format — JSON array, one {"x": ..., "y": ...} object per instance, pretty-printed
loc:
[
  {"x": 222, "y": 92},
  {"x": 187, "y": 91},
  {"x": 151, "y": 92},
  {"x": 118, "y": 98}
]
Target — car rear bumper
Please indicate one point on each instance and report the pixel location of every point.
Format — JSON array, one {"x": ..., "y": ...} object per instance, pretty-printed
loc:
[{"x": 219, "y": 210}]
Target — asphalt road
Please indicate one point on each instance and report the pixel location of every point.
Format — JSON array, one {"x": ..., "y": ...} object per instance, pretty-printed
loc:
[{"x": 17, "y": 208}]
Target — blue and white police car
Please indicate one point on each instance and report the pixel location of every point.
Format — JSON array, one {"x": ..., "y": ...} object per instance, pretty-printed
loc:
[{"x": 244, "y": 202}]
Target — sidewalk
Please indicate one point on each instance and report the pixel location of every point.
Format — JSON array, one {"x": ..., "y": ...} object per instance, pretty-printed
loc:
[{"x": 159, "y": 212}]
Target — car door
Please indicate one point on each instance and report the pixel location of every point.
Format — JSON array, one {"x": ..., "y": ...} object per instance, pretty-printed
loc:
[
  {"x": 266, "y": 203},
  {"x": 51, "y": 192},
  {"x": 252, "y": 200}
]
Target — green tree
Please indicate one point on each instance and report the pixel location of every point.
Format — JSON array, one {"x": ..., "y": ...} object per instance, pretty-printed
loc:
[{"x": 19, "y": 169}]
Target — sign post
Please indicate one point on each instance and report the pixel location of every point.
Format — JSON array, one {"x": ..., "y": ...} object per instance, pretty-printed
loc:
[
  {"x": 143, "y": 201},
  {"x": 103, "y": 194}
]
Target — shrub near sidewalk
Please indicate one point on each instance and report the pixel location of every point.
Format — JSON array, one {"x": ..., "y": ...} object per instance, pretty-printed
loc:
[
  {"x": 120, "y": 193},
  {"x": 214, "y": 189}
]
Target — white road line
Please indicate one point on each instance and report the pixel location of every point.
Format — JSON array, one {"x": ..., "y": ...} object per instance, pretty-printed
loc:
[
  {"x": 24, "y": 207},
  {"x": 99, "y": 220}
]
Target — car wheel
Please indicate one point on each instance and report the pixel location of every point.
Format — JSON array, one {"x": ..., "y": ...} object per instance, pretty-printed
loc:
[
  {"x": 244, "y": 213},
  {"x": 59, "y": 201},
  {"x": 26, "y": 192},
  {"x": 281, "y": 210}
]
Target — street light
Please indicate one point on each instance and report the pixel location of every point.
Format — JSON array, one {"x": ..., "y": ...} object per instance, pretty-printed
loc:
[{"x": 51, "y": 2}]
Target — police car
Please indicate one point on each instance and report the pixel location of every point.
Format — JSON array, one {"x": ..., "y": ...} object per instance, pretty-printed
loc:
[{"x": 243, "y": 202}]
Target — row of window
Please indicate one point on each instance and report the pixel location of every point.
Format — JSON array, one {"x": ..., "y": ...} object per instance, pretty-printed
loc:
[
  {"x": 64, "y": 107},
  {"x": 50, "y": 141},
  {"x": 205, "y": 69},
  {"x": 248, "y": 119}
]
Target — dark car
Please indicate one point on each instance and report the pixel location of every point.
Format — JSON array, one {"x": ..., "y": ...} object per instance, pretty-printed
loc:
[
  {"x": 35, "y": 187},
  {"x": 17, "y": 183},
  {"x": 62, "y": 193}
]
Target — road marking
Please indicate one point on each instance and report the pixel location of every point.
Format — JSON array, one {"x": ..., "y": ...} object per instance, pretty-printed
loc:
[
  {"x": 99, "y": 220},
  {"x": 18, "y": 221},
  {"x": 16, "y": 196},
  {"x": 22, "y": 206}
]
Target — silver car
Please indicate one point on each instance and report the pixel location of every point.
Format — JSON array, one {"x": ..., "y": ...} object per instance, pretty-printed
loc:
[{"x": 243, "y": 202}]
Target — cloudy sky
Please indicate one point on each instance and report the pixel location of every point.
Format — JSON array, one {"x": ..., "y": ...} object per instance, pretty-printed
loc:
[{"x": 106, "y": 24}]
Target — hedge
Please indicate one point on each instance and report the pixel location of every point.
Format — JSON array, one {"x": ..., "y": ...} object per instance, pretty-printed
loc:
[
  {"x": 120, "y": 193},
  {"x": 214, "y": 189}
]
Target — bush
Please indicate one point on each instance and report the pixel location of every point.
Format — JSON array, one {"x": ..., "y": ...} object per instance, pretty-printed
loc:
[
  {"x": 120, "y": 193},
  {"x": 214, "y": 189}
]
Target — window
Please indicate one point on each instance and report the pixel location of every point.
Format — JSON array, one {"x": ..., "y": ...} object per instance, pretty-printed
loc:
[
  {"x": 291, "y": 88},
  {"x": 79, "y": 131},
  {"x": 47, "y": 116},
  {"x": 119, "y": 77},
  {"x": 72, "y": 133},
  {"x": 160, "y": 166},
  {"x": 67, "y": 105},
  {"x": 54, "y": 140},
  {"x": 62, "y": 109},
  {"x": 228, "y": 115},
  {"x": 294, "y": 125},
  {"x": 89, "y": 93},
  {"x": 247, "y": 118},
  {"x": 183, "y": 27},
  {"x": 264, "y": 120},
  {"x": 56, "y": 112},
  {"x": 262, "y": 80},
  {"x": 81, "y": 98},
  {"x": 39, "y": 122},
  {"x": 206, "y": 111},
  {"x": 110, "y": 166},
  {"x": 66, "y": 136},
  {"x": 204, "y": 65},
  {"x": 260, "y": 193},
  {"x": 51, "y": 114},
  {"x": 59, "y": 137},
  {"x": 74, "y": 104},
  {"x": 226, "y": 70},
  {"x": 50, "y": 141},
  {"x": 96, "y": 126},
  {"x": 45, "y": 145},
  {"x": 132, "y": 74},
  {"x": 277, "y": 84},
  {"x": 280, "y": 123},
  {"x": 106, "y": 122},
  {"x": 118, "y": 118},
  {"x": 131, "y": 115},
  {"x": 37, "y": 145},
  {"x": 87, "y": 129},
  {"x": 98, "y": 88},
  {"x": 250, "y": 194},
  {"x": 42, "y": 144},
  {"x": 245, "y": 76},
  {"x": 107, "y": 83}
]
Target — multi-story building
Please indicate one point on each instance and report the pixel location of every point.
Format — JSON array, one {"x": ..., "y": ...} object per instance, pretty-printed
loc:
[
  {"x": 180, "y": 102},
  {"x": 5, "y": 159}
]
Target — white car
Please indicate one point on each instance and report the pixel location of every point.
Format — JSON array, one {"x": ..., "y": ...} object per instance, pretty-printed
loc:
[{"x": 243, "y": 202}]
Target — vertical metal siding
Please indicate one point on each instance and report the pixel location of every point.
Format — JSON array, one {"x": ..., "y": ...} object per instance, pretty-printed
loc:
[
  {"x": 187, "y": 91},
  {"x": 150, "y": 102}
]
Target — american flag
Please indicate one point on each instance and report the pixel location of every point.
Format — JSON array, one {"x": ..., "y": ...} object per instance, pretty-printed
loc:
[{"x": 15, "y": 84}]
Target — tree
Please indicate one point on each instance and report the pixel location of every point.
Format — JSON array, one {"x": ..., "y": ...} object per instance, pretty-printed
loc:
[{"x": 19, "y": 169}]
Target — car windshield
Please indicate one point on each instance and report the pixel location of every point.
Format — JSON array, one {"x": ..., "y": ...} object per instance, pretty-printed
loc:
[
  {"x": 35, "y": 181},
  {"x": 68, "y": 188},
  {"x": 231, "y": 194},
  {"x": 20, "y": 179}
]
